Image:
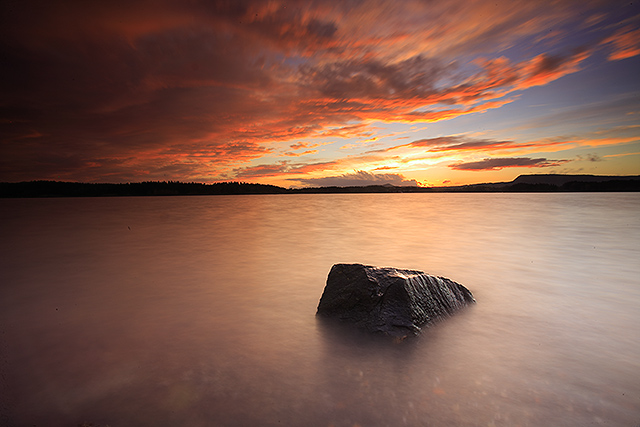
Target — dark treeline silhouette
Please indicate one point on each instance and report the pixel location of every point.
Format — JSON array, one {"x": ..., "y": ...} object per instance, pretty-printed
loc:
[
  {"x": 524, "y": 183},
  {"x": 150, "y": 188}
]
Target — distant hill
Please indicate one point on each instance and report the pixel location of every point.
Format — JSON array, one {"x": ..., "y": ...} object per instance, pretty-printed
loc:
[
  {"x": 575, "y": 183},
  {"x": 564, "y": 179},
  {"x": 555, "y": 182},
  {"x": 523, "y": 183}
]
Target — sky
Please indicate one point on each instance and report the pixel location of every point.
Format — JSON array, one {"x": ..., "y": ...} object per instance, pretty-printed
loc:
[{"x": 315, "y": 93}]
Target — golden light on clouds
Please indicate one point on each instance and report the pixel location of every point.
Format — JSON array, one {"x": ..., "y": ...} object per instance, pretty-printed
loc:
[{"x": 285, "y": 92}]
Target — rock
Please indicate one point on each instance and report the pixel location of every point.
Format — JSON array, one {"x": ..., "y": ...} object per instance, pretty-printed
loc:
[{"x": 389, "y": 301}]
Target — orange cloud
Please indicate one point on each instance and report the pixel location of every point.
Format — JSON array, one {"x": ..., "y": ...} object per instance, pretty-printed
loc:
[
  {"x": 622, "y": 154},
  {"x": 500, "y": 73},
  {"x": 544, "y": 68},
  {"x": 299, "y": 145},
  {"x": 626, "y": 43},
  {"x": 350, "y": 131},
  {"x": 304, "y": 153}
]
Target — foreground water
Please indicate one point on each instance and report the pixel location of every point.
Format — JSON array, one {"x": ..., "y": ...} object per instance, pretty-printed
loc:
[{"x": 200, "y": 311}]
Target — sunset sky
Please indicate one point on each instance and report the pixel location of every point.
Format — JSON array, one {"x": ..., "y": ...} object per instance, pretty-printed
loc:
[{"x": 310, "y": 93}]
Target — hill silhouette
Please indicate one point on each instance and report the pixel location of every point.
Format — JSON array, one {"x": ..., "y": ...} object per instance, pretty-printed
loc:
[{"x": 523, "y": 183}]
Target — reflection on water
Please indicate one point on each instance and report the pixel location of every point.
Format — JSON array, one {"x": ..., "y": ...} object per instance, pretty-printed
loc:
[{"x": 200, "y": 311}]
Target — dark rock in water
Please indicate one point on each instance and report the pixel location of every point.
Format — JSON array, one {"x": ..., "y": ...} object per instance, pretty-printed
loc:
[{"x": 390, "y": 301}]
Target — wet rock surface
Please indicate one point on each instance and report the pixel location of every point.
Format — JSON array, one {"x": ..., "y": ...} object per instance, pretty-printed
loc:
[{"x": 389, "y": 301}]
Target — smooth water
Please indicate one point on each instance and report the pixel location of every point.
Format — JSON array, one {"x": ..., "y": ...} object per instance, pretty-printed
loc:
[{"x": 200, "y": 311}]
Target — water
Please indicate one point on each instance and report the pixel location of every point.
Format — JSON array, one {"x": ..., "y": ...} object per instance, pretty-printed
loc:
[{"x": 200, "y": 311}]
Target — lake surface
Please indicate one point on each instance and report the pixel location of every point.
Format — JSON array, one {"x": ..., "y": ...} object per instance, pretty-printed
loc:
[{"x": 200, "y": 311}]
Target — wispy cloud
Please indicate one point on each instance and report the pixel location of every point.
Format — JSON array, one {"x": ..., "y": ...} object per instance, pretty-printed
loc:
[
  {"x": 459, "y": 143},
  {"x": 591, "y": 157},
  {"x": 507, "y": 162},
  {"x": 625, "y": 42},
  {"x": 282, "y": 168},
  {"x": 359, "y": 178},
  {"x": 303, "y": 153}
]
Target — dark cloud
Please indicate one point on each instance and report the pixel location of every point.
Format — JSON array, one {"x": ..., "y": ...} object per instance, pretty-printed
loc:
[
  {"x": 359, "y": 178},
  {"x": 374, "y": 79},
  {"x": 184, "y": 92},
  {"x": 507, "y": 162},
  {"x": 591, "y": 157}
]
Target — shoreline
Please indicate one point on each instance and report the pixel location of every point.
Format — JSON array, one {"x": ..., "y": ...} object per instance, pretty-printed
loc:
[{"x": 522, "y": 184}]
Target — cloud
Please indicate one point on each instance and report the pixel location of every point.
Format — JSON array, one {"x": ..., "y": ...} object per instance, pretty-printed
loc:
[
  {"x": 623, "y": 154},
  {"x": 359, "y": 130},
  {"x": 299, "y": 145},
  {"x": 375, "y": 90},
  {"x": 457, "y": 143},
  {"x": 414, "y": 77},
  {"x": 304, "y": 153},
  {"x": 263, "y": 170},
  {"x": 506, "y": 162},
  {"x": 625, "y": 42},
  {"x": 106, "y": 90},
  {"x": 282, "y": 168},
  {"x": 359, "y": 178},
  {"x": 590, "y": 157},
  {"x": 502, "y": 75},
  {"x": 546, "y": 68}
]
